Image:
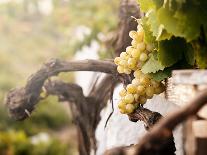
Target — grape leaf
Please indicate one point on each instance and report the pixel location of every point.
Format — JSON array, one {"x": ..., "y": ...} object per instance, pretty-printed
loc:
[
  {"x": 190, "y": 55},
  {"x": 148, "y": 37},
  {"x": 157, "y": 29},
  {"x": 152, "y": 65},
  {"x": 184, "y": 21},
  {"x": 161, "y": 75},
  {"x": 171, "y": 51}
]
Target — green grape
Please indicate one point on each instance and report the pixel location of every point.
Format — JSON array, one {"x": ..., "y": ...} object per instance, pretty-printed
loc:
[
  {"x": 141, "y": 46},
  {"x": 134, "y": 43},
  {"x": 140, "y": 89},
  {"x": 132, "y": 34},
  {"x": 135, "y": 53},
  {"x": 121, "y": 105},
  {"x": 142, "y": 86},
  {"x": 127, "y": 71},
  {"x": 135, "y": 82},
  {"x": 131, "y": 88},
  {"x": 140, "y": 36},
  {"x": 120, "y": 69},
  {"x": 129, "y": 50},
  {"x": 143, "y": 57},
  {"x": 123, "y": 55},
  {"x": 150, "y": 91},
  {"x": 132, "y": 62},
  {"x": 129, "y": 98},
  {"x": 122, "y": 93},
  {"x": 138, "y": 73},
  {"x": 123, "y": 63},
  {"x": 136, "y": 97},
  {"x": 130, "y": 108},
  {"x": 117, "y": 60},
  {"x": 144, "y": 80}
]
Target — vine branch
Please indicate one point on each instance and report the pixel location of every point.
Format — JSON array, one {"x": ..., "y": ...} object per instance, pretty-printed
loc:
[{"x": 21, "y": 101}]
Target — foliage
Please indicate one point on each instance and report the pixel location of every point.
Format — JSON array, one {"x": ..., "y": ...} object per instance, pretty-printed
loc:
[
  {"x": 178, "y": 30},
  {"x": 49, "y": 115},
  {"x": 152, "y": 65},
  {"x": 18, "y": 143}
]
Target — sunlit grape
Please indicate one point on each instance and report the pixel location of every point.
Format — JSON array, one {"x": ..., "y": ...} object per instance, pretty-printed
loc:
[
  {"x": 144, "y": 80},
  {"x": 132, "y": 34},
  {"x": 136, "y": 97},
  {"x": 123, "y": 55},
  {"x": 127, "y": 71},
  {"x": 150, "y": 91},
  {"x": 121, "y": 105},
  {"x": 131, "y": 88},
  {"x": 117, "y": 60},
  {"x": 143, "y": 57},
  {"x": 135, "y": 53},
  {"x": 122, "y": 93},
  {"x": 123, "y": 63},
  {"x": 120, "y": 69},
  {"x": 129, "y": 98},
  {"x": 135, "y": 81},
  {"x": 134, "y": 43},
  {"x": 138, "y": 73},
  {"x": 142, "y": 87},
  {"x": 141, "y": 46},
  {"x": 130, "y": 108},
  {"x": 132, "y": 63}
]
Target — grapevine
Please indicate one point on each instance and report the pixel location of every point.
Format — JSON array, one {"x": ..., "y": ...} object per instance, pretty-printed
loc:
[
  {"x": 170, "y": 36},
  {"x": 143, "y": 86}
]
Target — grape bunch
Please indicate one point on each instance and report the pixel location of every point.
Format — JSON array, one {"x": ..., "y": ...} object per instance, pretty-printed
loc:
[
  {"x": 142, "y": 87},
  {"x": 135, "y": 55}
]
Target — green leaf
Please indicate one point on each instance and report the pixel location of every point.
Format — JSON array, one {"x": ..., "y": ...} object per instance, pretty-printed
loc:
[
  {"x": 152, "y": 65},
  {"x": 163, "y": 34},
  {"x": 171, "y": 51},
  {"x": 146, "y": 5},
  {"x": 183, "y": 19},
  {"x": 148, "y": 37},
  {"x": 161, "y": 75},
  {"x": 156, "y": 28},
  {"x": 190, "y": 55}
]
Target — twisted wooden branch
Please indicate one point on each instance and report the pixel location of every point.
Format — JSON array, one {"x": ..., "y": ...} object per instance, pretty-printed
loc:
[{"x": 21, "y": 101}]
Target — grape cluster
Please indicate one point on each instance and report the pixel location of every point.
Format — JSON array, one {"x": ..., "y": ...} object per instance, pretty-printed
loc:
[
  {"x": 135, "y": 55},
  {"x": 142, "y": 87}
]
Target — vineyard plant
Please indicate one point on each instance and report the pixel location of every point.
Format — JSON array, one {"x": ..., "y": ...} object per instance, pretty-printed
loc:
[{"x": 153, "y": 38}]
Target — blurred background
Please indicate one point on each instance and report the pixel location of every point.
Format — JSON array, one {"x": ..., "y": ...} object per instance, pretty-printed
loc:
[{"x": 32, "y": 32}]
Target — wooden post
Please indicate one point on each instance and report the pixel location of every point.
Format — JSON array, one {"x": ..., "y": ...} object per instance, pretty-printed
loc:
[{"x": 181, "y": 88}]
